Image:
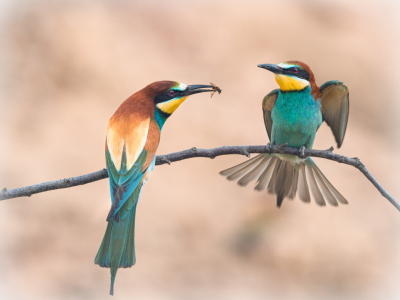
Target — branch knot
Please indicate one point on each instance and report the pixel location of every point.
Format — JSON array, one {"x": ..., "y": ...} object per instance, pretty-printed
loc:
[
  {"x": 282, "y": 147},
  {"x": 330, "y": 149},
  {"x": 244, "y": 152}
]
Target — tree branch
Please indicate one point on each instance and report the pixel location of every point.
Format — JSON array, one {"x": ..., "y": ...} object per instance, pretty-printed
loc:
[{"x": 195, "y": 152}]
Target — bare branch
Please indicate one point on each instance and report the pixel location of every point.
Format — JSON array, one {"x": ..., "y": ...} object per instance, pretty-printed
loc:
[{"x": 197, "y": 152}]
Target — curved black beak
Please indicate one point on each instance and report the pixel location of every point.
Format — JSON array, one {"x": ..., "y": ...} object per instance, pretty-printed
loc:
[
  {"x": 198, "y": 88},
  {"x": 270, "y": 67}
]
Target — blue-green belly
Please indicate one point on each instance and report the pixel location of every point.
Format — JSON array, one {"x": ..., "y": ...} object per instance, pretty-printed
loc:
[{"x": 296, "y": 117}]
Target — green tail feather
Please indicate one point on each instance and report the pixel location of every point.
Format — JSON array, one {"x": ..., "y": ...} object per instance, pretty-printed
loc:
[
  {"x": 113, "y": 274},
  {"x": 117, "y": 249}
]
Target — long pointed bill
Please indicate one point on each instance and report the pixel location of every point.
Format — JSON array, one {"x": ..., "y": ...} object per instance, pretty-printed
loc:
[
  {"x": 198, "y": 88},
  {"x": 270, "y": 67}
]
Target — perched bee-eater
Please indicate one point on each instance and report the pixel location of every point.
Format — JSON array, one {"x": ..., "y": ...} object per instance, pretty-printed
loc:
[
  {"x": 292, "y": 115},
  {"x": 133, "y": 135}
]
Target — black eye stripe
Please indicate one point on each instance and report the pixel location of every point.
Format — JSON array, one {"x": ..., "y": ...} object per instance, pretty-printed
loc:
[
  {"x": 300, "y": 73},
  {"x": 167, "y": 96}
]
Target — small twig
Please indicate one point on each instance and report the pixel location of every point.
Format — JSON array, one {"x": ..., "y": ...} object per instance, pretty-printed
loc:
[
  {"x": 196, "y": 152},
  {"x": 330, "y": 149}
]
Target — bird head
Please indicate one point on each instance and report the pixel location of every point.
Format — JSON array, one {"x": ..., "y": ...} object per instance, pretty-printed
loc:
[
  {"x": 168, "y": 95},
  {"x": 293, "y": 76}
]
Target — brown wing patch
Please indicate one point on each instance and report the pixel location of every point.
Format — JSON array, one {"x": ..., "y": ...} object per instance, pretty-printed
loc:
[
  {"x": 129, "y": 124},
  {"x": 153, "y": 139}
]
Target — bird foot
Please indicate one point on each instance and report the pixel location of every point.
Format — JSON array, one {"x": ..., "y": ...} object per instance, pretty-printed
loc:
[
  {"x": 269, "y": 147},
  {"x": 164, "y": 160},
  {"x": 301, "y": 150}
]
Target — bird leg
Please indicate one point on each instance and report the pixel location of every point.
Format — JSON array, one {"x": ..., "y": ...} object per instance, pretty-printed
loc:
[
  {"x": 164, "y": 160},
  {"x": 301, "y": 150},
  {"x": 269, "y": 145}
]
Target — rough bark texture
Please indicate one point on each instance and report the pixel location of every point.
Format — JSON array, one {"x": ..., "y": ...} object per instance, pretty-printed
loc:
[{"x": 196, "y": 152}]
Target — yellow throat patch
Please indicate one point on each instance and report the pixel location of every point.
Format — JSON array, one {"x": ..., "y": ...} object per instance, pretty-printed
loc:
[
  {"x": 288, "y": 83},
  {"x": 170, "y": 106}
]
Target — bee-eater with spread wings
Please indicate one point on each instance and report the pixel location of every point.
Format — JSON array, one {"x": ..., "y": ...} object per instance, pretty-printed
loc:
[
  {"x": 292, "y": 115},
  {"x": 133, "y": 135}
]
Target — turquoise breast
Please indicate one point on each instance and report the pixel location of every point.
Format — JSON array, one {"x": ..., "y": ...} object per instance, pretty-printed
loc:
[{"x": 296, "y": 117}]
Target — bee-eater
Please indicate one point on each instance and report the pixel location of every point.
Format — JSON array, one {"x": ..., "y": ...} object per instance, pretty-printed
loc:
[
  {"x": 133, "y": 135},
  {"x": 292, "y": 115}
]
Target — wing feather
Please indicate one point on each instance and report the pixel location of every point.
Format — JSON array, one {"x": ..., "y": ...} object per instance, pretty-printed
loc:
[
  {"x": 267, "y": 106},
  {"x": 125, "y": 179},
  {"x": 335, "y": 108}
]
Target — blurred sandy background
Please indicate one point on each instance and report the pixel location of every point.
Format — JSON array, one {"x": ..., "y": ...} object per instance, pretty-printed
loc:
[{"x": 65, "y": 67}]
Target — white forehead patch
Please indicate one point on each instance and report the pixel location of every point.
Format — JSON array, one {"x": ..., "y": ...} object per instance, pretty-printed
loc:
[
  {"x": 286, "y": 66},
  {"x": 180, "y": 87}
]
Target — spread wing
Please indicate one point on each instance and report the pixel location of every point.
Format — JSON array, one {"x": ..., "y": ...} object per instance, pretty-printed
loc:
[
  {"x": 267, "y": 106},
  {"x": 335, "y": 107},
  {"x": 128, "y": 157}
]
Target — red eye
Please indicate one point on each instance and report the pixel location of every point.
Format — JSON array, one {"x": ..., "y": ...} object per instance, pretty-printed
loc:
[
  {"x": 295, "y": 70},
  {"x": 171, "y": 93}
]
